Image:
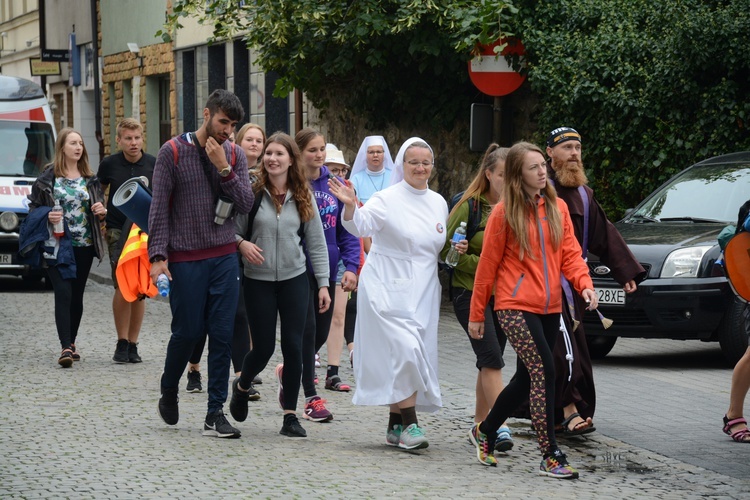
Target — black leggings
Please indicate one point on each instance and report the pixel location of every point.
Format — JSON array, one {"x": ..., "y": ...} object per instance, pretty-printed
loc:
[
  {"x": 69, "y": 295},
  {"x": 533, "y": 338},
  {"x": 351, "y": 318},
  {"x": 263, "y": 300},
  {"x": 316, "y": 334}
]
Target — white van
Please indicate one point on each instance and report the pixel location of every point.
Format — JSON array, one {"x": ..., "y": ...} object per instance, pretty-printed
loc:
[{"x": 27, "y": 146}]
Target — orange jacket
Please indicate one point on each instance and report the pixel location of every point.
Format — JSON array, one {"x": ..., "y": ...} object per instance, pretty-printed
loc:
[
  {"x": 532, "y": 284},
  {"x": 133, "y": 268}
]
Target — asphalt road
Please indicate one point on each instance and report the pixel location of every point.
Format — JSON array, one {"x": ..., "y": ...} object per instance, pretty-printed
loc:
[{"x": 92, "y": 431}]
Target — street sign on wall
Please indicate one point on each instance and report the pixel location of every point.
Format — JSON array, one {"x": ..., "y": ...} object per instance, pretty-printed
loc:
[
  {"x": 491, "y": 73},
  {"x": 46, "y": 68},
  {"x": 53, "y": 55}
]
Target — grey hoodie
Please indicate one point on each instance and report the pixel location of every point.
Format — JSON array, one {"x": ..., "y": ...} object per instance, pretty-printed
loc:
[{"x": 277, "y": 235}]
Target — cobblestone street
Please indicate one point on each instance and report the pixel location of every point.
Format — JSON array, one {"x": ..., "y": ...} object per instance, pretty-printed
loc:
[{"x": 93, "y": 431}]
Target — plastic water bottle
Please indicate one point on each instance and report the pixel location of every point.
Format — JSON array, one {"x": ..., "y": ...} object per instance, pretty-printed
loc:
[
  {"x": 58, "y": 229},
  {"x": 162, "y": 284},
  {"x": 452, "y": 258}
]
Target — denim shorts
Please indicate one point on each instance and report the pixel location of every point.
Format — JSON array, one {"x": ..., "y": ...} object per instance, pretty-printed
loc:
[
  {"x": 489, "y": 349},
  {"x": 341, "y": 271}
]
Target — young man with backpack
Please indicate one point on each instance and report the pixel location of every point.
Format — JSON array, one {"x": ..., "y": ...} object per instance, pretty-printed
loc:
[{"x": 197, "y": 251}]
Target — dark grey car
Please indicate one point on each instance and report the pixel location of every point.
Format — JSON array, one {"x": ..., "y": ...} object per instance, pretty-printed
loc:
[{"x": 673, "y": 234}]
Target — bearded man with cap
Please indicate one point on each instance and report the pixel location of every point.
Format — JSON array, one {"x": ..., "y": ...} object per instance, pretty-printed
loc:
[{"x": 575, "y": 393}]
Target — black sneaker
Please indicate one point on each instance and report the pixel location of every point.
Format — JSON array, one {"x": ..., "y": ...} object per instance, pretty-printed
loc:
[
  {"x": 121, "y": 351},
  {"x": 291, "y": 427},
  {"x": 257, "y": 380},
  {"x": 253, "y": 394},
  {"x": 194, "y": 381},
  {"x": 133, "y": 355},
  {"x": 238, "y": 403},
  {"x": 216, "y": 425},
  {"x": 169, "y": 409}
]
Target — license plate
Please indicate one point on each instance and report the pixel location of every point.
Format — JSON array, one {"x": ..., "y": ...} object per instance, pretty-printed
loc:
[
  {"x": 5, "y": 258},
  {"x": 614, "y": 296}
]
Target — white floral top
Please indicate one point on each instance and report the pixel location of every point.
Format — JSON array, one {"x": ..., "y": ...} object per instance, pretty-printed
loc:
[{"x": 73, "y": 197}]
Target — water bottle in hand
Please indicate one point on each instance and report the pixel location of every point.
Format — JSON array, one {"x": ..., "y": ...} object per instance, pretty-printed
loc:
[
  {"x": 162, "y": 284},
  {"x": 452, "y": 258},
  {"x": 58, "y": 229}
]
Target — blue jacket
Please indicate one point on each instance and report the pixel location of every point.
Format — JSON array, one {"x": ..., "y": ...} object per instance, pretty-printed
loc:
[{"x": 39, "y": 248}]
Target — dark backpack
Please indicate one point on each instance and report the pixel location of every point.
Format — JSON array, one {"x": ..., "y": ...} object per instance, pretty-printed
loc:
[
  {"x": 473, "y": 226},
  {"x": 475, "y": 214}
]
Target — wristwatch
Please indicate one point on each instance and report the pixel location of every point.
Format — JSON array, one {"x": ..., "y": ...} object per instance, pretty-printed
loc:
[
  {"x": 157, "y": 258},
  {"x": 226, "y": 171}
]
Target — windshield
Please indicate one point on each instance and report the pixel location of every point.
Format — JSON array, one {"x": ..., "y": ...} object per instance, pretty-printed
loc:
[
  {"x": 25, "y": 148},
  {"x": 709, "y": 192}
]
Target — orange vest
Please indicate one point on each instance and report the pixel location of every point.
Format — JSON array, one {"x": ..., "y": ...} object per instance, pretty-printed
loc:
[{"x": 133, "y": 268}]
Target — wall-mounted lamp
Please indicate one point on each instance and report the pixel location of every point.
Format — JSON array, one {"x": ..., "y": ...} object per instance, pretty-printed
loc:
[{"x": 3, "y": 36}]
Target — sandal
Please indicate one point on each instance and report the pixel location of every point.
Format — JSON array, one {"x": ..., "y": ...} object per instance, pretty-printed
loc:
[
  {"x": 582, "y": 427},
  {"x": 66, "y": 358},
  {"x": 76, "y": 355},
  {"x": 335, "y": 384},
  {"x": 741, "y": 435}
]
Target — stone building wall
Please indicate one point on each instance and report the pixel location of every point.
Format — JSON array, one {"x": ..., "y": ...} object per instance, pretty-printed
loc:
[
  {"x": 455, "y": 164},
  {"x": 158, "y": 59}
]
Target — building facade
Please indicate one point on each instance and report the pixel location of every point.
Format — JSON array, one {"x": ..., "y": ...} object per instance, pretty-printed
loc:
[{"x": 19, "y": 37}]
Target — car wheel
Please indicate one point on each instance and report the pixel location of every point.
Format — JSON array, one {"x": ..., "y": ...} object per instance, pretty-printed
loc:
[
  {"x": 599, "y": 346},
  {"x": 732, "y": 331}
]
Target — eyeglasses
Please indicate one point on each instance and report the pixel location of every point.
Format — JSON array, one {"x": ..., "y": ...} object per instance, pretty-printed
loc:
[
  {"x": 339, "y": 171},
  {"x": 415, "y": 163},
  {"x": 375, "y": 152}
]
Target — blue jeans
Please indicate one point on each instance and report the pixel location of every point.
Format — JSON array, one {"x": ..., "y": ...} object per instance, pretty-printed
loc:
[{"x": 203, "y": 299}]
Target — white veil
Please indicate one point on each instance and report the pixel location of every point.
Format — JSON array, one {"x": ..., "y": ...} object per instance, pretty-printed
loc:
[
  {"x": 360, "y": 163},
  {"x": 398, "y": 170}
]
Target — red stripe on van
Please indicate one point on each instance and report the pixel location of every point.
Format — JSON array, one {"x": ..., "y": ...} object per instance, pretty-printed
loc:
[{"x": 33, "y": 115}]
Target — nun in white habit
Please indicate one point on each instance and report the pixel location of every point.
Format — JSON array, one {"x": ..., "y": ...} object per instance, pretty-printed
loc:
[
  {"x": 396, "y": 362},
  {"x": 372, "y": 168}
]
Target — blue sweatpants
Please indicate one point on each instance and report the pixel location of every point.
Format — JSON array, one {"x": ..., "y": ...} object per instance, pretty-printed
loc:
[{"x": 203, "y": 299}]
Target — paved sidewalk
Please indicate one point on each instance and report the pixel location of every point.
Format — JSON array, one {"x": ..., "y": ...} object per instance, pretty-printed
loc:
[{"x": 92, "y": 431}]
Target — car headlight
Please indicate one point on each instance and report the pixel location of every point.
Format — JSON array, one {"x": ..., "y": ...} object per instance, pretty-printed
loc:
[
  {"x": 684, "y": 263},
  {"x": 8, "y": 221}
]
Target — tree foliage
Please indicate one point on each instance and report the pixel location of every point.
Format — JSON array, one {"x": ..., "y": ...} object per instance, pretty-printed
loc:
[
  {"x": 652, "y": 86},
  {"x": 393, "y": 61}
]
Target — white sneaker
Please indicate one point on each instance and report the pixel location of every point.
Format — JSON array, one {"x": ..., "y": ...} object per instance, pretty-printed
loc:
[{"x": 412, "y": 438}]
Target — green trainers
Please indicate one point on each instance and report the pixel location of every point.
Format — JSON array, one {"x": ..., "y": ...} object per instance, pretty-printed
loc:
[
  {"x": 393, "y": 436},
  {"x": 412, "y": 438}
]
